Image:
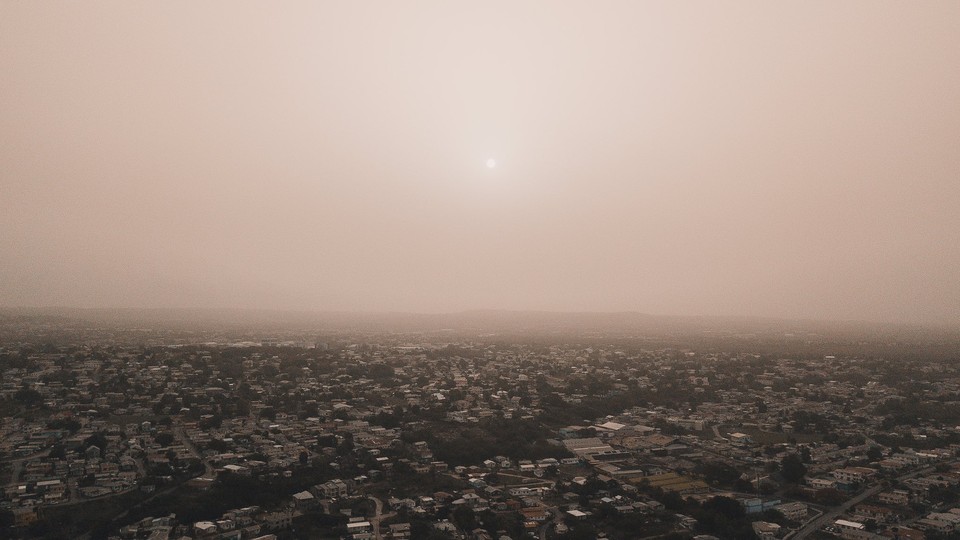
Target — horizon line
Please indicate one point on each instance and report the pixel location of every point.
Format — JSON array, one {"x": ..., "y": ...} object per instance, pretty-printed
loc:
[{"x": 507, "y": 311}]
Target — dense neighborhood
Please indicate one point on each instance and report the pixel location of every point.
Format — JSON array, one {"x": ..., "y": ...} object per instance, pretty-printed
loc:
[{"x": 396, "y": 436}]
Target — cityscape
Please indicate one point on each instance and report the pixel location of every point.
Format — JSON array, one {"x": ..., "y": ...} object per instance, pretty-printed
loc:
[
  {"x": 115, "y": 430},
  {"x": 480, "y": 270}
]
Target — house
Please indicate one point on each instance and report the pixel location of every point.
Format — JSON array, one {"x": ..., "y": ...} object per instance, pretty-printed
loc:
[
  {"x": 687, "y": 522},
  {"x": 946, "y": 517},
  {"x": 585, "y": 446},
  {"x": 672, "y": 482},
  {"x": 903, "y": 533},
  {"x": 851, "y": 475},
  {"x": 794, "y": 511},
  {"x": 766, "y": 530},
  {"x": 934, "y": 525},
  {"x": 740, "y": 438},
  {"x": 891, "y": 464},
  {"x": 204, "y": 528},
  {"x": 332, "y": 489},
  {"x": 399, "y": 531},
  {"x": 880, "y": 514},
  {"x": 237, "y": 469},
  {"x": 277, "y": 520},
  {"x": 844, "y": 525},
  {"x": 821, "y": 483},
  {"x": 570, "y": 432},
  {"x": 609, "y": 427},
  {"x": 897, "y": 497},
  {"x": 304, "y": 500},
  {"x": 536, "y": 513},
  {"x": 756, "y": 506},
  {"x": 51, "y": 488},
  {"x": 23, "y": 517},
  {"x": 355, "y": 527}
]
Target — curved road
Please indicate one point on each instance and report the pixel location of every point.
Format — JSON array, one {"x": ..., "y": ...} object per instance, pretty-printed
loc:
[
  {"x": 830, "y": 516},
  {"x": 378, "y": 516},
  {"x": 16, "y": 465},
  {"x": 556, "y": 515}
]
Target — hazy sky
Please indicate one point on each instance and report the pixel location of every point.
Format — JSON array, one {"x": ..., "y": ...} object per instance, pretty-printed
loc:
[{"x": 790, "y": 159}]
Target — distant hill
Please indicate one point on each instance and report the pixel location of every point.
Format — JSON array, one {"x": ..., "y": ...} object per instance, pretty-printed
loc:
[{"x": 473, "y": 322}]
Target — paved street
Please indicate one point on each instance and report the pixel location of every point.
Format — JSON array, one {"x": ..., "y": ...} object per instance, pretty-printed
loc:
[{"x": 831, "y": 515}]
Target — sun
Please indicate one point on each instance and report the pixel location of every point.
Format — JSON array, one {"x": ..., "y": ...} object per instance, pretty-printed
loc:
[{"x": 491, "y": 163}]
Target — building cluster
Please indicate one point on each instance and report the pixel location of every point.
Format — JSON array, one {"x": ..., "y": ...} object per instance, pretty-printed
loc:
[{"x": 391, "y": 437}]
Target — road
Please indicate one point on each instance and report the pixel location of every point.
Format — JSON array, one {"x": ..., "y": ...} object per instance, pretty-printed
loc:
[
  {"x": 377, "y": 512},
  {"x": 208, "y": 473},
  {"x": 552, "y": 522},
  {"x": 378, "y": 516},
  {"x": 831, "y": 515},
  {"x": 181, "y": 435},
  {"x": 16, "y": 465},
  {"x": 125, "y": 513},
  {"x": 527, "y": 481}
]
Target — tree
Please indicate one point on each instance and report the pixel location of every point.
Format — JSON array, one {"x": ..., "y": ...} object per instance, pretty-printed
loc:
[
  {"x": 761, "y": 406},
  {"x": 64, "y": 423},
  {"x": 775, "y": 516},
  {"x": 218, "y": 445},
  {"x": 346, "y": 445},
  {"x": 792, "y": 469},
  {"x": 580, "y": 531},
  {"x": 422, "y": 530},
  {"x": 57, "y": 451},
  {"x": 718, "y": 473},
  {"x": 464, "y": 518},
  {"x": 164, "y": 438},
  {"x": 98, "y": 439},
  {"x": 829, "y": 496},
  {"x": 724, "y": 506},
  {"x": 215, "y": 421},
  {"x": 28, "y": 397},
  {"x": 725, "y": 516}
]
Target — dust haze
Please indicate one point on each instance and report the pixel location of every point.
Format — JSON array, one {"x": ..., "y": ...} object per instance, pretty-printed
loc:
[{"x": 791, "y": 160}]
